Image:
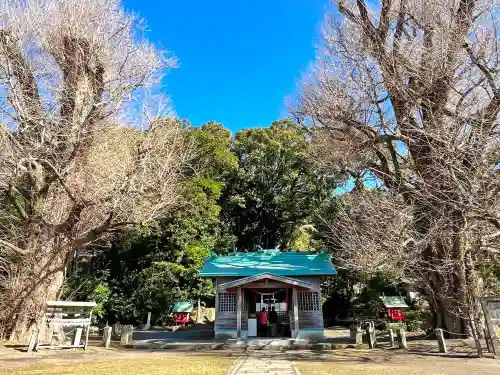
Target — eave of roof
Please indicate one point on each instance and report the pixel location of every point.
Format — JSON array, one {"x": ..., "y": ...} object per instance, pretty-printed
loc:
[
  {"x": 262, "y": 276},
  {"x": 275, "y": 262},
  {"x": 393, "y": 302},
  {"x": 182, "y": 306}
]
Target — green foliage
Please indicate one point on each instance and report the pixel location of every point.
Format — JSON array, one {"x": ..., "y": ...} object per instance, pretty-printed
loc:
[
  {"x": 489, "y": 270},
  {"x": 300, "y": 239},
  {"x": 381, "y": 283},
  {"x": 213, "y": 157},
  {"x": 414, "y": 318},
  {"x": 84, "y": 287},
  {"x": 414, "y": 325},
  {"x": 276, "y": 190},
  {"x": 414, "y": 314},
  {"x": 257, "y": 188}
]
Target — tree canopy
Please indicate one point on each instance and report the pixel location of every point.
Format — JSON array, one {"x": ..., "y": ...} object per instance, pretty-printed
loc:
[{"x": 277, "y": 189}]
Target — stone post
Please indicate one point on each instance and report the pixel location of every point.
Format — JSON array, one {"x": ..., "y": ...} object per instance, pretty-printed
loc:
[
  {"x": 106, "y": 336},
  {"x": 50, "y": 332},
  {"x": 402, "y": 338},
  {"x": 359, "y": 336},
  {"x": 440, "y": 340},
  {"x": 33, "y": 340},
  {"x": 126, "y": 336},
  {"x": 198, "y": 314},
  {"x": 352, "y": 331},
  {"x": 391, "y": 337},
  {"x": 117, "y": 329},
  {"x": 370, "y": 334}
]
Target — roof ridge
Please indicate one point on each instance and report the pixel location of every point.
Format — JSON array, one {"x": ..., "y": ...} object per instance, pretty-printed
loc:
[{"x": 276, "y": 251}]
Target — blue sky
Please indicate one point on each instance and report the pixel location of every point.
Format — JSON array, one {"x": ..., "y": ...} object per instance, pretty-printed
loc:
[{"x": 238, "y": 59}]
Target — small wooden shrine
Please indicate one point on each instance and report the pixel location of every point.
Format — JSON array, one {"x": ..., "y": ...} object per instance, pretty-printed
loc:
[
  {"x": 182, "y": 311},
  {"x": 289, "y": 282},
  {"x": 394, "y": 307}
]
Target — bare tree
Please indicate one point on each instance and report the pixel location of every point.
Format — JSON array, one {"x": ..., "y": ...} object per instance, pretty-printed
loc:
[
  {"x": 70, "y": 172},
  {"x": 408, "y": 93}
]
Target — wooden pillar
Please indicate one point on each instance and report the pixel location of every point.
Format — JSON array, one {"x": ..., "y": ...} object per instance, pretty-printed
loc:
[
  {"x": 487, "y": 339},
  {"x": 295, "y": 302},
  {"x": 238, "y": 313},
  {"x": 87, "y": 331},
  {"x": 78, "y": 337},
  {"x": 216, "y": 305}
]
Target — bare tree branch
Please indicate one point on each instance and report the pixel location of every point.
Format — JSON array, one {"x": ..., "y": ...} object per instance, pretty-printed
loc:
[{"x": 431, "y": 142}]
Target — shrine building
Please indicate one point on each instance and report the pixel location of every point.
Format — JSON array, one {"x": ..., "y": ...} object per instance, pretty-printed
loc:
[{"x": 290, "y": 282}]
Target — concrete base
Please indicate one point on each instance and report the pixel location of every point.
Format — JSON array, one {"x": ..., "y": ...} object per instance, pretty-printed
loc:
[
  {"x": 227, "y": 334},
  {"x": 240, "y": 345},
  {"x": 316, "y": 335},
  {"x": 313, "y": 335}
]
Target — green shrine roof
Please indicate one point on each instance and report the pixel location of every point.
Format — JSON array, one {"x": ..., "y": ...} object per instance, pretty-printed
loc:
[
  {"x": 269, "y": 261},
  {"x": 393, "y": 301},
  {"x": 182, "y": 306}
]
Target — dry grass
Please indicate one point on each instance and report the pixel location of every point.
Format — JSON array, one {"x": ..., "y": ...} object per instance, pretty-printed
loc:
[
  {"x": 394, "y": 362},
  {"x": 178, "y": 364},
  {"x": 317, "y": 368}
]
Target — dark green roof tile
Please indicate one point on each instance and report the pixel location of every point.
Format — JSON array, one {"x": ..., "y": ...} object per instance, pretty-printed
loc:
[
  {"x": 182, "y": 307},
  {"x": 279, "y": 263},
  {"x": 393, "y": 301}
]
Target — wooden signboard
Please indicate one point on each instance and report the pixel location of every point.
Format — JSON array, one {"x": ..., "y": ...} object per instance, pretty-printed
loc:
[{"x": 491, "y": 310}]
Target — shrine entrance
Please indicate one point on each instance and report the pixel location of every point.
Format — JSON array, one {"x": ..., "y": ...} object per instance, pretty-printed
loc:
[
  {"x": 265, "y": 291},
  {"x": 269, "y": 298}
]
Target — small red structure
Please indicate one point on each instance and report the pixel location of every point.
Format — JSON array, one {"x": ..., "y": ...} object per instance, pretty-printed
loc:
[
  {"x": 396, "y": 314},
  {"x": 182, "y": 311},
  {"x": 394, "y": 305},
  {"x": 181, "y": 317}
]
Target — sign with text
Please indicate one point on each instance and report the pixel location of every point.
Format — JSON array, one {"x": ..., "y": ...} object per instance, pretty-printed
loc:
[
  {"x": 491, "y": 310},
  {"x": 493, "y": 305}
]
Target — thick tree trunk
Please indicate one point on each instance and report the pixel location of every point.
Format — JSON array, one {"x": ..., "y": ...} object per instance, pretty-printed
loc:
[
  {"x": 33, "y": 281},
  {"x": 448, "y": 317},
  {"x": 446, "y": 274}
]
